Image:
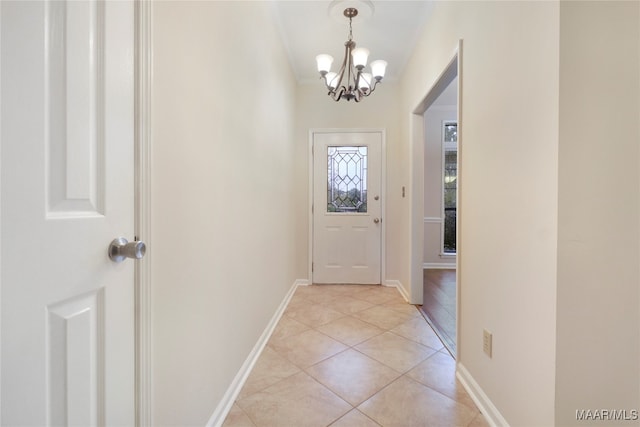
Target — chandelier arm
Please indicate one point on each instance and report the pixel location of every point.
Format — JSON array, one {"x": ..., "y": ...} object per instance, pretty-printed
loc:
[
  {"x": 351, "y": 72},
  {"x": 375, "y": 84},
  {"x": 372, "y": 87},
  {"x": 337, "y": 94},
  {"x": 357, "y": 79},
  {"x": 370, "y": 83},
  {"x": 326, "y": 83},
  {"x": 347, "y": 51},
  {"x": 357, "y": 96}
]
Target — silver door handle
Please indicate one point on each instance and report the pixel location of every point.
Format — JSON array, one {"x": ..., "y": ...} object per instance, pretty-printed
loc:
[
  {"x": 376, "y": 220},
  {"x": 121, "y": 249}
]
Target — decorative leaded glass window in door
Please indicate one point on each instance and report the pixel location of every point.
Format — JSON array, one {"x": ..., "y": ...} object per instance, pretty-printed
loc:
[{"x": 347, "y": 179}]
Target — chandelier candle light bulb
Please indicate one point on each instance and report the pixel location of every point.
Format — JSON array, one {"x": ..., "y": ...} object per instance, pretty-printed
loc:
[
  {"x": 378, "y": 68},
  {"x": 350, "y": 82},
  {"x": 332, "y": 79},
  {"x": 324, "y": 62},
  {"x": 365, "y": 81},
  {"x": 360, "y": 56}
]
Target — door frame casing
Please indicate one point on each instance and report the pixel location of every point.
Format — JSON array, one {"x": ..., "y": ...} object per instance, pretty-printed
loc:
[
  {"x": 416, "y": 231},
  {"x": 383, "y": 192},
  {"x": 143, "y": 27},
  {"x": 0, "y": 222}
]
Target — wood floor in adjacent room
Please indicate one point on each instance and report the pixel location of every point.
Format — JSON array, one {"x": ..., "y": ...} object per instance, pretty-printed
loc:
[
  {"x": 440, "y": 304},
  {"x": 353, "y": 355}
]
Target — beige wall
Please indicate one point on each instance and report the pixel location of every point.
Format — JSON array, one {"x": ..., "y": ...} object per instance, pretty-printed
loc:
[
  {"x": 316, "y": 110},
  {"x": 508, "y": 191},
  {"x": 549, "y": 186},
  {"x": 223, "y": 198},
  {"x": 598, "y": 350}
]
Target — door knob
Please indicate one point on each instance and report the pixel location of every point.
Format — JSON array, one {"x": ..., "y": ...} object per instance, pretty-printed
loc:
[
  {"x": 376, "y": 220},
  {"x": 120, "y": 249}
]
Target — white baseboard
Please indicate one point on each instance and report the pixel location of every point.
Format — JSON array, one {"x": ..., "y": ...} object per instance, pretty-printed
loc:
[
  {"x": 438, "y": 265},
  {"x": 396, "y": 284},
  {"x": 224, "y": 406},
  {"x": 482, "y": 401}
]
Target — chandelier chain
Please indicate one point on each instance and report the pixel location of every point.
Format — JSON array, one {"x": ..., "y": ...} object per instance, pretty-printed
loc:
[{"x": 350, "y": 29}]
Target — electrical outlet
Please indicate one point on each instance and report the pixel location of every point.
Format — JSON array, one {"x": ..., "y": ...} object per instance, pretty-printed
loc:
[{"x": 487, "y": 342}]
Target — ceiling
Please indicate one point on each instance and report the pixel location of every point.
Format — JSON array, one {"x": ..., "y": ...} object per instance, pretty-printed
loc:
[{"x": 389, "y": 29}]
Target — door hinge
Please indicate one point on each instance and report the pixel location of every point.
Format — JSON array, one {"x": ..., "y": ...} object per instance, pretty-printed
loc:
[
  {"x": 312, "y": 267},
  {"x": 312, "y": 205}
]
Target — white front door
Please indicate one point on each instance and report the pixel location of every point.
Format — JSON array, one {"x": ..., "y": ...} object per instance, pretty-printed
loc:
[
  {"x": 67, "y": 190},
  {"x": 347, "y": 207}
]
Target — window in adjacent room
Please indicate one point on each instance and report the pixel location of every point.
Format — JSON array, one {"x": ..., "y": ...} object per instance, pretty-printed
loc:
[{"x": 450, "y": 185}]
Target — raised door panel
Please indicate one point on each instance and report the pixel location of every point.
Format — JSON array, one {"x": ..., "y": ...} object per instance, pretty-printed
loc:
[
  {"x": 74, "y": 107},
  {"x": 75, "y": 339}
]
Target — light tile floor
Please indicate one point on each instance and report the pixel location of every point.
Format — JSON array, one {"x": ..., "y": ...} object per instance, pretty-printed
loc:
[{"x": 353, "y": 355}]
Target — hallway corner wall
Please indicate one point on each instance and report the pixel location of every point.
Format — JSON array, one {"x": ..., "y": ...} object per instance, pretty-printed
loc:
[
  {"x": 507, "y": 190},
  {"x": 598, "y": 350},
  {"x": 223, "y": 197}
]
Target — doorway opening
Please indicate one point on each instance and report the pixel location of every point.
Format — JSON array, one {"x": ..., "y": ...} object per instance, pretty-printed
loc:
[
  {"x": 440, "y": 213},
  {"x": 435, "y": 230}
]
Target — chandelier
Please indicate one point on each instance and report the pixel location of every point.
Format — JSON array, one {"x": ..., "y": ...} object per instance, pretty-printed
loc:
[{"x": 350, "y": 82}]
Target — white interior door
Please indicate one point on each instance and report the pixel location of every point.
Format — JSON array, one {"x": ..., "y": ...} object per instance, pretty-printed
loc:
[
  {"x": 347, "y": 207},
  {"x": 67, "y": 190}
]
